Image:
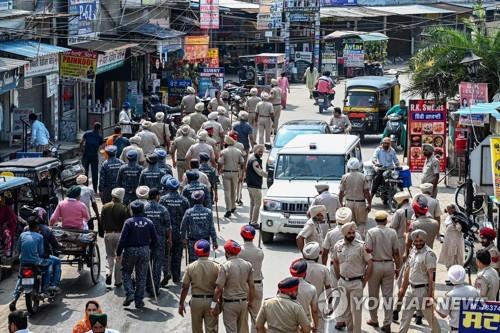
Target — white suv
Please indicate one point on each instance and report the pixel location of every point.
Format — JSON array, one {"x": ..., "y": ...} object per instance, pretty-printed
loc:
[{"x": 304, "y": 162}]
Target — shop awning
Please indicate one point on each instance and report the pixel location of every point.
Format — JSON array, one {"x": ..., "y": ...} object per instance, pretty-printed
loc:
[
  {"x": 364, "y": 36},
  {"x": 103, "y": 46},
  {"x": 230, "y": 4},
  {"x": 156, "y": 31},
  {"x": 8, "y": 64},
  {"x": 454, "y": 8},
  {"x": 492, "y": 109},
  {"x": 411, "y": 10},
  {"x": 13, "y": 13},
  {"x": 29, "y": 48},
  {"x": 352, "y": 12}
]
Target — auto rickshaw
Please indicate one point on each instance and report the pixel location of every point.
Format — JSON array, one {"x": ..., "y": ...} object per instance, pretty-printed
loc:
[
  {"x": 11, "y": 190},
  {"x": 367, "y": 99}
]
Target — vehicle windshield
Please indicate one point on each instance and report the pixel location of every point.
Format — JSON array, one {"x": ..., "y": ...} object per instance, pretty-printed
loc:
[
  {"x": 319, "y": 167},
  {"x": 361, "y": 99},
  {"x": 286, "y": 135}
]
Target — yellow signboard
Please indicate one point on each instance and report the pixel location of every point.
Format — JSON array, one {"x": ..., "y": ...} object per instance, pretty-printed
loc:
[
  {"x": 213, "y": 57},
  {"x": 80, "y": 65},
  {"x": 495, "y": 165}
]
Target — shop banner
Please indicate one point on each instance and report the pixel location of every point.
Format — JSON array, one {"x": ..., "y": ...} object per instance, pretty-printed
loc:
[
  {"x": 177, "y": 88},
  {"x": 9, "y": 80},
  {"x": 213, "y": 57},
  {"x": 209, "y": 14},
  {"x": 110, "y": 60},
  {"x": 5, "y": 4},
  {"x": 211, "y": 80},
  {"x": 270, "y": 15},
  {"x": 80, "y": 65},
  {"x": 18, "y": 115},
  {"x": 427, "y": 125},
  {"x": 83, "y": 25},
  {"x": 42, "y": 65},
  {"x": 495, "y": 165},
  {"x": 337, "y": 3},
  {"x": 354, "y": 55},
  {"x": 301, "y": 6},
  {"x": 52, "y": 84},
  {"x": 473, "y": 120},
  {"x": 329, "y": 59},
  {"x": 196, "y": 48},
  {"x": 472, "y": 93},
  {"x": 479, "y": 316}
]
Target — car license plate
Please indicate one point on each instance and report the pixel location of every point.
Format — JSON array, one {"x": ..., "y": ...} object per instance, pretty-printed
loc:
[
  {"x": 320, "y": 100},
  {"x": 296, "y": 222},
  {"x": 28, "y": 281}
]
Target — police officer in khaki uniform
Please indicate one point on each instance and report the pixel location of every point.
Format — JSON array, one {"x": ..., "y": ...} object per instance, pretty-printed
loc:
[
  {"x": 430, "y": 172},
  {"x": 312, "y": 230},
  {"x": 487, "y": 237},
  {"x": 223, "y": 119},
  {"x": 213, "y": 128},
  {"x": 197, "y": 118},
  {"x": 230, "y": 162},
  {"x": 235, "y": 288},
  {"x": 250, "y": 107},
  {"x": 434, "y": 208},
  {"x": 331, "y": 203},
  {"x": 418, "y": 283},
  {"x": 186, "y": 120},
  {"x": 161, "y": 130},
  {"x": 307, "y": 296},
  {"x": 401, "y": 219},
  {"x": 354, "y": 267},
  {"x": 200, "y": 276},
  {"x": 423, "y": 221},
  {"x": 276, "y": 101},
  {"x": 201, "y": 147},
  {"x": 282, "y": 313},
  {"x": 487, "y": 277},
  {"x": 255, "y": 256},
  {"x": 382, "y": 243},
  {"x": 354, "y": 188},
  {"x": 265, "y": 112},
  {"x": 254, "y": 178},
  {"x": 181, "y": 146},
  {"x": 317, "y": 275}
]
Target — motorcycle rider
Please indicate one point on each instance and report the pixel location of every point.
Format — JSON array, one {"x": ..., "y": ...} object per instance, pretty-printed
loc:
[
  {"x": 128, "y": 177},
  {"x": 384, "y": 157},
  {"x": 108, "y": 174},
  {"x": 324, "y": 84},
  {"x": 399, "y": 110},
  {"x": 339, "y": 120}
]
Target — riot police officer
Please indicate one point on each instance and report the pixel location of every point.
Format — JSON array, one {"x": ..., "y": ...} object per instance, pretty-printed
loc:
[
  {"x": 151, "y": 176},
  {"x": 128, "y": 176},
  {"x": 177, "y": 206},
  {"x": 108, "y": 174},
  {"x": 211, "y": 174},
  {"x": 162, "y": 155},
  {"x": 194, "y": 185},
  {"x": 197, "y": 224}
]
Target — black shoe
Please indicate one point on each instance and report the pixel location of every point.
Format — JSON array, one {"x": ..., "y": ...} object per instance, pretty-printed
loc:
[
  {"x": 12, "y": 306},
  {"x": 227, "y": 215},
  {"x": 127, "y": 301},
  {"x": 395, "y": 316},
  {"x": 118, "y": 285},
  {"x": 176, "y": 279},
  {"x": 108, "y": 280},
  {"x": 139, "y": 305},
  {"x": 239, "y": 202},
  {"x": 418, "y": 320},
  {"x": 233, "y": 210},
  {"x": 165, "y": 280}
]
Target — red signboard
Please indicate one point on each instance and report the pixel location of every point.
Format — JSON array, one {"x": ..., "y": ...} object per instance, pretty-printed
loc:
[
  {"x": 426, "y": 124},
  {"x": 472, "y": 93}
]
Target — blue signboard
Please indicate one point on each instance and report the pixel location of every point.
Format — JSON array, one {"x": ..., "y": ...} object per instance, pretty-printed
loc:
[
  {"x": 211, "y": 79},
  {"x": 333, "y": 3},
  {"x": 9, "y": 80},
  {"x": 82, "y": 26},
  {"x": 479, "y": 317},
  {"x": 5, "y": 4},
  {"x": 178, "y": 87}
]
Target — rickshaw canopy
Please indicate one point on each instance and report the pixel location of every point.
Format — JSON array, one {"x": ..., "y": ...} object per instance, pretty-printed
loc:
[
  {"x": 373, "y": 82},
  {"x": 8, "y": 183},
  {"x": 37, "y": 164}
]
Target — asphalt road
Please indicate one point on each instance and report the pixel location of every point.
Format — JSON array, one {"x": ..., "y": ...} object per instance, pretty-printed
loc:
[{"x": 78, "y": 288}]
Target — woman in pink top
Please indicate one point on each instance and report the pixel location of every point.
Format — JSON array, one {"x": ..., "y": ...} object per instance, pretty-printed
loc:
[
  {"x": 72, "y": 212},
  {"x": 285, "y": 89}
]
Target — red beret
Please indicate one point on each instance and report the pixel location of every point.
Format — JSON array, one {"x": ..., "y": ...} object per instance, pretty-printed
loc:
[
  {"x": 231, "y": 247},
  {"x": 487, "y": 233},
  {"x": 298, "y": 268}
]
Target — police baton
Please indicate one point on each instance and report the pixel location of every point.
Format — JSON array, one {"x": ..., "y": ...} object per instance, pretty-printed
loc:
[
  {"x": 260, "y": 233},
  {"x": 186, "y": 250}
]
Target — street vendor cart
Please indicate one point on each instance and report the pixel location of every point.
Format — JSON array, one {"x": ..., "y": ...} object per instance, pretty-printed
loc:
[{"x": 268, "y": 66}]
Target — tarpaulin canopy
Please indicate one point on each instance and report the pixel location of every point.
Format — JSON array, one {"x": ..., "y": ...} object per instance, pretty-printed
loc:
[
  {"x": 492, "y": 109},
  {"x": 364, "y": 36},
  {"x": 30, "y": 48}
]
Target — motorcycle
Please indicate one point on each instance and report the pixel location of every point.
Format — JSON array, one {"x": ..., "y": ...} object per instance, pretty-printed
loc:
[
  {"x": 69, "y": 170},
  {"x": 338, "y": 130},
  {"x": 31, "y": 284},
  {"x": 324, "y": 100},
  {"x": 394, "y": 128},
  {"x": 392, "y": 184}
]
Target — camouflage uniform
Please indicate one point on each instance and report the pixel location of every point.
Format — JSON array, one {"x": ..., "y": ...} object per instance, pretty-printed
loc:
[
  {"x": 107, "y": 177},
  {"x": 193, "y": 186},
  {"x": 197, "y": 224},
  {"x": 176, "y": 206},
  {"x": 151, "y": 176},
  {"x": 128, "y": 178}
]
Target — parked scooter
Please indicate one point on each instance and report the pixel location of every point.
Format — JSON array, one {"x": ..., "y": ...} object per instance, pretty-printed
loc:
[
  {"x": 69, "y": 170},
  {"x": 394, "y": 128}
]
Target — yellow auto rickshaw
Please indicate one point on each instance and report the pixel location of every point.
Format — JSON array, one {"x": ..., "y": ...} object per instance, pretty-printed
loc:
[{"x": 367, "y": 99}]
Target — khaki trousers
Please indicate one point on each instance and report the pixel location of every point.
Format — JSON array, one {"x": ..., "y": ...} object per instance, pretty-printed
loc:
[
  {"x": 253, "y": 123},
  {"x": 181, "y": 169},
  {"x": 255, "y": 203},
  {"x": 382, "y": 278},
  {"x": 359, "y": 215},
  {"x": 200, "y": 314},
  {"x": 335, "y": 284},
  {"x": 413, "y": 301},
  {"x": 235, "y": 317},
  {"x": 112, "y": 266},
  {"x": 255, "y": 306},
  {"x": 276, "y": 118},
  {"x": 264, "y": 128},
  {"x": 230, "y": 184},
  {"x": 354, "y": 293}
]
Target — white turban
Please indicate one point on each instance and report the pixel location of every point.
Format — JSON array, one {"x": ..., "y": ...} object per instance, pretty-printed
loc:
[
  {"x": 221, "y": 110},
  {"x": 456, "y": 274},
  {"x": 350, "y": 226},
  {"x": 229, "y": 140},
  {"x": 203, "y": 135},
  {"x": 311, "y": 250},
  {"x": 135, "y": 139},
  {"x": 190, "y": 90},
  {"x": 354, "y": 164},
  {"x": 199, "y": 107},
  {"x": 159, "y": 116},
  {"x": 213, "y": 115},
  {"x": 142, "y": 192},
  {"x": 401, "y": 196},
  {"x": 317, "y": 209},
  {"x": 265, "y": 96},
  {"x": 426, "y": 188},
  {"x": 81, "y": 180},
  {"x": 243, "y": 115},
  {"x": 419, "y": 233},
  {"x": 254, "y": 91},
  {"x": 321, "y": 187},
  {"x": 343, "y": 215},
  {"x": 118, "y": 193},
  {"x": 186, "y": 120}
]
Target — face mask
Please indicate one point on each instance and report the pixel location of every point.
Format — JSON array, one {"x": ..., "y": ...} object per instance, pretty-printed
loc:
[{"x": 349, "y": 239}]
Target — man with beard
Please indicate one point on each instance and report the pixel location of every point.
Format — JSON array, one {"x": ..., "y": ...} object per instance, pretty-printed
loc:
[
  {"x": 312, "y": 232},
  {"x": 254, "y": 179},
  {"x": 306, "y": 296},
  {"x": 487, "y": 236},
  {"x": 331, "y": 203},
  {"x": 430, "y": 172},
  {"x": 423, "y": 221}
]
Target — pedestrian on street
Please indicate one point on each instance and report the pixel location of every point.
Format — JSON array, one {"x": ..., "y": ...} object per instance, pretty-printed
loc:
[
  {"x": 209, "y": 171},
  {"x": 487, "y": 280},
  {"x": 339, "y": 120},
  {"x": 251, "y": 106},
  {"x": 177, "y": 206},
  {"x": 90, "y": 145},
  {"x": 264, "y": 113},
  {"x": 71, "y": 212},
  {"x": 354, "y": 189},
  {"x": 423, "y": 221},
  {"x": 161, "y": 130},
  {"x": 113, "y": 216},
  {"x": 235, "y": 289},
  {"x": 244, "y": 130},
  {"x": 382, "y": 244},
  {"x": 99, "y": 323},
  {"x": 109, "y": 174},
  {"x": 384, "y": 157},
  {"x": 125, "y": 118},
  {"x": 282, "y": 313},
  {"x": 201, "y": 147},
  {"x": 83, "y": 325},
  {"x": 354, "y": 267},
  {"x": 160, "y": 217},
  {"x": 149, "y": 140},
  {"x": 401, "y": 220},
  {"x": 310, "y": 77},
  {"x": 255, "y": 256},
  {"x": 137, "y": 239},
  {"x": 317, "y": 275},
  {"x": 312, "y": 230},
  {"x": 200, "y": 276},
  {"x": 18, "y": 322},
  {"x": 306, "y": 295},
  {"x": 188, "y": 102},
  {"x": 276, "y": 94},
  {"x": 331, "y": 203},
  {"x": 151, "y": 176},
  {"x": 230, "y": 162},
  {"x": 162, "y": 165},
  {"x": 452, "y": 250},
  {"x": 193, "y": 184},
  {"x": 39, "y": 134},
  {"x": 128, "y": 176},
  {"x": 223, "y": 119},
  {"x": 135, "y": 143},
  {"x": 255, "y": 175},
  {"x": 87, "y": 195},
  {"x": 487, "y": 237},
  {"x": 197, "y": 118},
  {"x": 179, "y": 149},
  {"x": 285, "y": 89},
  {"x": 197, "y": 224},
  {"x": 120, "y": 141},
  {"x": 450, "y": 306},
  {"x": 430, "y": 172},
  {"x": 418, "y": 283},
  {"x": 433, "y": 203}
]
